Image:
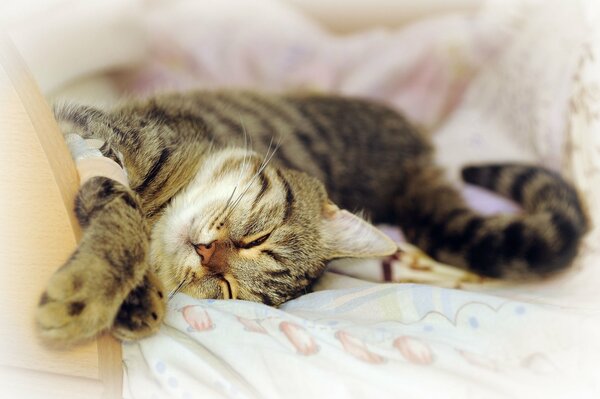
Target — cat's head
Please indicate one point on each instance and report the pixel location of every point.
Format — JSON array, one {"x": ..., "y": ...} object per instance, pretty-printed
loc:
[{"x": 249, "y": 231}]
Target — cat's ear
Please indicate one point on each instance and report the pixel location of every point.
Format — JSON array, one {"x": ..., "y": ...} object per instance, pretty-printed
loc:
[{"x": 349, "y": 236}]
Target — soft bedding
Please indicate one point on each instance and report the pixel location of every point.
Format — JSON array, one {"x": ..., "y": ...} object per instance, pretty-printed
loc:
[
  {"x": 372, "y": 340},
  {"x": 512, "y": 80}
]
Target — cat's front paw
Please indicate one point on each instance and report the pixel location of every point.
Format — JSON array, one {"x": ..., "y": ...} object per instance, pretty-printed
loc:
[
  {"x": 142, "y": 312},
  {"x": 83, "y": 297},
  {"x": 80, "y": 301}
]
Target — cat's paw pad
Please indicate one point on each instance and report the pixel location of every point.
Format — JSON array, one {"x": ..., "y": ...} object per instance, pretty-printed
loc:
[
  {"x": 81, "y": 299},
  {"x": 142, "y": 312},
  {"x": 70, "y": 310}
]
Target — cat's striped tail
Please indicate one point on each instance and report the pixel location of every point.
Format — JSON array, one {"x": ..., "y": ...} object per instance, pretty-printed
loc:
[{"x": 543, "y": 240}]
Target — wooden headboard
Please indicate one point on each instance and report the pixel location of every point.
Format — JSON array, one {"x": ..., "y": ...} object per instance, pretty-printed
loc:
[{"x": 38, "y": 231}]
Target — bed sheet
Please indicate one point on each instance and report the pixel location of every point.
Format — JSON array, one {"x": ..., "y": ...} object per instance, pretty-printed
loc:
[
  {"x": 372, "y": 340},
  {"x": 515, "y": 80}
]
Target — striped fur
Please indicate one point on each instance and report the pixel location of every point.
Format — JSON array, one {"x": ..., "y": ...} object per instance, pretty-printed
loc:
[{"x": 188, "y": 154}]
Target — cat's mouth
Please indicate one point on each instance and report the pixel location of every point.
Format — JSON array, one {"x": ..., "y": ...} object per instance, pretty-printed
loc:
[{"x": 229, "y": 287}]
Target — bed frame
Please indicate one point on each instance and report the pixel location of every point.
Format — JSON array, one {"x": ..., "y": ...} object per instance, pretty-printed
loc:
[{"x": 38, "y": 231}]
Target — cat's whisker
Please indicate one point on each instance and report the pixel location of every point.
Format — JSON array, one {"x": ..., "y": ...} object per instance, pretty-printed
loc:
[
  {"x": 239, "y": 198},
  {"x": 266, "y": 161},
  {"x": 246, "y": 135},
  {"x": 262, "y": 167},
  {"x": 176, "y": 290},
  {"x": 243, "y": 169},
  {"x": 248, "y": 185},
  {"x": 184, "y": 282}
]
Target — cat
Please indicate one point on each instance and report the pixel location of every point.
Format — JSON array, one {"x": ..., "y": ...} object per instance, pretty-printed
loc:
[{"x": 242, "y": 195}]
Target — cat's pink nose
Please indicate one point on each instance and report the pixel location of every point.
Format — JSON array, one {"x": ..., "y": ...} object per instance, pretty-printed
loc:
[{"x": 205, "y": 251}]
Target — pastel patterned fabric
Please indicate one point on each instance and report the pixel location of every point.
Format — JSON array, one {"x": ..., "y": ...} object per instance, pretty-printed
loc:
[{"x": 386, "y": 341}]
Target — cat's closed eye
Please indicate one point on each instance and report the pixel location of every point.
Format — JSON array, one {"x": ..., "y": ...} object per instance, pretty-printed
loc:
[{"x": 255, "y": 243}]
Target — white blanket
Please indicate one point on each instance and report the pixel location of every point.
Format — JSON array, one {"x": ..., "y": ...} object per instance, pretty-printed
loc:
[{"x": 383, "y": 341}]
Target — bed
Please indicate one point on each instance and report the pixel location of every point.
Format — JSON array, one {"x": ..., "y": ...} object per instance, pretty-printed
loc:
[{"x": 497, "y": 80}]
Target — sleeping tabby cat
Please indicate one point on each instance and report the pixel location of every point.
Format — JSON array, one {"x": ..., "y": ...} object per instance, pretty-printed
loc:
[{"x": 239, "y": 195}]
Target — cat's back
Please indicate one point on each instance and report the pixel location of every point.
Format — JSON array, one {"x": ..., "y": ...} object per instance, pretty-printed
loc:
[
  {"x": 362, "y": 150},
  {"x": 359, "y": 148}
]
